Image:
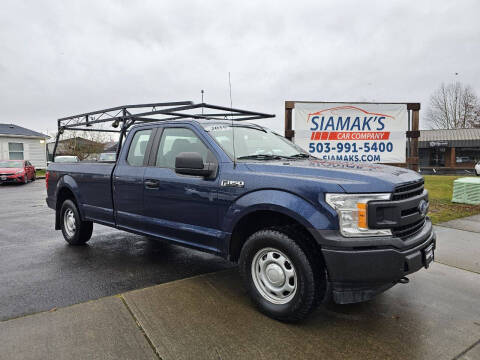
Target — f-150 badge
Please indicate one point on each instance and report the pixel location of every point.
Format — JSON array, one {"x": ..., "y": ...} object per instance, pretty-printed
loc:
[{"x": 232, "y": 183}]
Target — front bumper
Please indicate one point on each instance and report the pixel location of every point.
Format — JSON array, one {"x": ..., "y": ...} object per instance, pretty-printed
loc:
[
  {"x": 12, "y": 179},
  {"x": 357, "y": 273}
]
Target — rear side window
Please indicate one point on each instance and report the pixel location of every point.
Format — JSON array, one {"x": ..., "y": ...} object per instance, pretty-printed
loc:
[
  {"x": 177, "y": 140},
  {"x": 136, "y": 153}
]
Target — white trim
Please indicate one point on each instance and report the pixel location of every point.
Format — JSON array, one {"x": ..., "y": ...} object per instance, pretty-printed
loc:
[{"x": 24, "y": 136}]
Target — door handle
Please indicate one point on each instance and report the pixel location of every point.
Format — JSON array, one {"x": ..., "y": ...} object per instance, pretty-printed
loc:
[{"x": 151, "y": 184}]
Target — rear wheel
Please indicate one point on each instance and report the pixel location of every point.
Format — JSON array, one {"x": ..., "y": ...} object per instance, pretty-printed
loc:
[
  {"x": 74, "y": 230},
  {"x": 283, "y": 279},
  {"x": 34, "y": 177}
]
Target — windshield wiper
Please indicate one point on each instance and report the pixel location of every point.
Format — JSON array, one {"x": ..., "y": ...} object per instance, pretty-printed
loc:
[
  {"x": 299, "y": 156},
  {"x": 262, "y": 157}
]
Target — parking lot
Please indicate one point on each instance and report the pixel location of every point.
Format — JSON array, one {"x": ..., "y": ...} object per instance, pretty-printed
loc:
[
  {"x": 435, "y": 316},
  {"x": 39, "y": 271}
]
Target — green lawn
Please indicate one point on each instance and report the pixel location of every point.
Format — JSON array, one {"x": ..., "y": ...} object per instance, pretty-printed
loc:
[
  {"x": 40, "y": 172},
  {"x": 440, "y": 189}
]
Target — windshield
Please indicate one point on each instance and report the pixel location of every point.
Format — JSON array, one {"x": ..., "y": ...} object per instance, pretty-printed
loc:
[
  {"x": 66, "y": 159},
  {"x": 11, "y": 164},
  {"x": 107, "y": 157},
  {"x": 253, "y": 142}
]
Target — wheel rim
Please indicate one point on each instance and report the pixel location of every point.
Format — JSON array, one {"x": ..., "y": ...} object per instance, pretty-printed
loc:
[
  {"x": 69, "y": 222},
  {"x": 274, "y": 276}
]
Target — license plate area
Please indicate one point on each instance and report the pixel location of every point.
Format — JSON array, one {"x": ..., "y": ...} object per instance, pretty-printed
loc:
[{"x": 428, "y": 255}]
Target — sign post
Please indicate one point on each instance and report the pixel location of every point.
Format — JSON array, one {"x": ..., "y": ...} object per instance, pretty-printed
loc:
[{"x": 360, "y": 132}]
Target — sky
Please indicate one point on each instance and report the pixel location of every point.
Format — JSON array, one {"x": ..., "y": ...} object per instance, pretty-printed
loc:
[{"x": 59, "y": 58}]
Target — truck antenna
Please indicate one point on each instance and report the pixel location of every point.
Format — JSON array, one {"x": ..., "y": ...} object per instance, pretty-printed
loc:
[{"x": 231, "y": 119}]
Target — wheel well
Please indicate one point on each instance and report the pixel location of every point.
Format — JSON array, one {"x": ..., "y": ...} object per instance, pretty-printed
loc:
[
  {"x": 64, "y": 194},
  {"x": 258, "y": 220}
]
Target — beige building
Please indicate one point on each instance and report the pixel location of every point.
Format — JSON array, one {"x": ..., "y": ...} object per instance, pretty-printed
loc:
[{"x": 19, "y": 143}]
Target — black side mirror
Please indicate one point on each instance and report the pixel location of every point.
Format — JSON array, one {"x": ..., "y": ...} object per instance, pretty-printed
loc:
[{"x": 191, "y": 163}]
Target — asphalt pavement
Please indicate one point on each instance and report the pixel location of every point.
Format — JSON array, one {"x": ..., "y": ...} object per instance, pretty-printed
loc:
[
  {"x": 40, "y": 271},
  {"x": 435, "y": 316}
]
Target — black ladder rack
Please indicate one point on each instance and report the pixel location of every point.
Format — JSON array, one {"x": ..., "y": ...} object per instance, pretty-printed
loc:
[{"x": 125, "y": 116}]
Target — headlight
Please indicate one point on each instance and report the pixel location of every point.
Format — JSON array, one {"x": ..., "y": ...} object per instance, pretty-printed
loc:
[
  {"x": 19, "y": 172},
  {"x": 353, "y": 215}
]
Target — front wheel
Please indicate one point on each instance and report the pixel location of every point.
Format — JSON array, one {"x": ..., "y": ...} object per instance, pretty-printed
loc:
[
  {"x": 74, "y": 230},
  {"x": 282, "y": 279}
]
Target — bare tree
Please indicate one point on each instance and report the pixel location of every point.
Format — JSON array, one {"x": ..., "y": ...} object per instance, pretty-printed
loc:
[
  {"x": 83, "y": 144},
  {"x": 453, "y": 106}
]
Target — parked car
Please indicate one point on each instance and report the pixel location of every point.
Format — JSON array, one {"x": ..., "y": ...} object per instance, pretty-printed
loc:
[
  {"x": 477, "y": 169},
  {"x": 16, "y": 171},
  {"x": 108, "y": 156},
  {"x": 303, "y": 230},
  {"x": 66, "y": 158},
  {"x": 463, "y": 159}
]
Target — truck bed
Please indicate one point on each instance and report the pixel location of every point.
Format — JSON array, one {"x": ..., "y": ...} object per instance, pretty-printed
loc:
[{"x": 93, "y": 186}]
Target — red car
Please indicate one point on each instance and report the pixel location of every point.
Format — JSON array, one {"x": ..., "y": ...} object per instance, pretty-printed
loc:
[{"x": 16, "y": 171}]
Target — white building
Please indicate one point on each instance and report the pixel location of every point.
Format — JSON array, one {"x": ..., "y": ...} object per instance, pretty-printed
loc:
[{"x": 18, "y": 143}]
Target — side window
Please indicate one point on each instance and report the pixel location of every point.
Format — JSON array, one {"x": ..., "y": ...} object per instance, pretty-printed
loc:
[
  {"x": 177, "y": 140},
  {"x": 136, "y": 153}
]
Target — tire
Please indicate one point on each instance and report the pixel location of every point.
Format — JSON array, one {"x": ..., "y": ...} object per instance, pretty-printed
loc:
[
  {"x": 74, "y": 230},
  {"x": 34, "y": 177},
  {"x": 25, "y": 180},
  {"x": 280, "y": 259}
]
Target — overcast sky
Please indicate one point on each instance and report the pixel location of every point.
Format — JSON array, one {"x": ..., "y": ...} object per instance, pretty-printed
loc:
[{"x": 63, "y": 57}]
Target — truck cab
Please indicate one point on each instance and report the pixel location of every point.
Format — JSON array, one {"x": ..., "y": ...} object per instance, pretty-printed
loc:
[{"x": 302, "y": 230}]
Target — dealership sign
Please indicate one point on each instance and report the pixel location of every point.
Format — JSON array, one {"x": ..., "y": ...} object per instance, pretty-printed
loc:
[{"x": 352, "y": 132}]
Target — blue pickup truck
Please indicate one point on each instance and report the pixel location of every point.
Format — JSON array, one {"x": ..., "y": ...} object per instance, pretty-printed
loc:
[{"x": 302, "y": 230}]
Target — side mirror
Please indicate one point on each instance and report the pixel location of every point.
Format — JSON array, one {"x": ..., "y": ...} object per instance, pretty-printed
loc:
[{"x": 191, "y": 163}]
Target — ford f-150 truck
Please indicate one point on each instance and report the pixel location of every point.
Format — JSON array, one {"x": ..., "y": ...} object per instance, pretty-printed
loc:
[{"x": 303, "y": 230}]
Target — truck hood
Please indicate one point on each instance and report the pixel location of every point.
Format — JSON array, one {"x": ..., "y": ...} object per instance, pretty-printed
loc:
[{"x": 352, "y": 177}]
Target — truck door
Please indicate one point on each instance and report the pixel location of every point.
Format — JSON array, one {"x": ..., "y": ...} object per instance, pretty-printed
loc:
[
  {"x": 128, "y": 180},
  {"x": 178, "y": 207}
]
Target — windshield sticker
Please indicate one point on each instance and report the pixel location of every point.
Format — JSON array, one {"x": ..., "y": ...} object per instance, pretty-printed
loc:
[{"x": 217, "y": 128}]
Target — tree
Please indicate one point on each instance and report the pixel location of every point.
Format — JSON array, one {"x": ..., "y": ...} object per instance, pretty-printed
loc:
[
  {"x": 454, "y": 106},
  {"x": 82, "y": 144}
]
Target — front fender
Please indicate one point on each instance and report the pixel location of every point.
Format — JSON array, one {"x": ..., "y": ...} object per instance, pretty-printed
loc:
[{"x": 310, "y": 216}]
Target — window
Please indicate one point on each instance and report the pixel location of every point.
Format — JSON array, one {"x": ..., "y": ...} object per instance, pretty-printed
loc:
[
  {"x": 177, "y": 140},
  {"x": 136, "y": 153},
  {"x": 15, "y": 151}
]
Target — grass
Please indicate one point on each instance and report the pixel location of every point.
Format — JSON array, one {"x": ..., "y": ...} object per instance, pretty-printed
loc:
[
  {"x": 440, "y": 188},
  {"x": 40, "y": 172}
]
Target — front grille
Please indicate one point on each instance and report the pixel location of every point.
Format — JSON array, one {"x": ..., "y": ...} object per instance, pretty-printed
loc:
[
  {"x": 408, "y": 190},
  {"x": 408, "y": 230}
]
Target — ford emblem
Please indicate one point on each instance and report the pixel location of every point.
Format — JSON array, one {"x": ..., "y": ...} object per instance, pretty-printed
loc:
[{"x": 423, "y": 208}]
